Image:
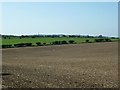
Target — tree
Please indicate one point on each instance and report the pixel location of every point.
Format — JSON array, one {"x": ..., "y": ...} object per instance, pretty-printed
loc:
[
  {"x": 64, "y": 42},
  {"x": 87, "y": 41},
  {"x": 44, "y": 43},
  {"x": 100, "y": 36},
  {"x": 38, "y": 43}
]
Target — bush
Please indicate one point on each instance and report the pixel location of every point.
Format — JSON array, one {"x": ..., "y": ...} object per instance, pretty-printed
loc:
[
  {"x": 59, "y": 42},
  {"x": 56, "y": 42},
  {"x": 103, "y": 40},
  {"x": 108, "y": 40},
  {"x": 38, "y": 43},
  {"x": 6, "y": 46},
  {"x": 64, "y": 42},
  {"x": 99, "y": 40},
  {"x": 23, "y": 44},
  {"x": 71, "y": 41},
  {"x": 44, "y": 43},
  {"x": 87, "y": 41},
  {"x": 20, "y": 45},
  {"x": 28, "y": 44},
  {"x": 32, "y": 36}
]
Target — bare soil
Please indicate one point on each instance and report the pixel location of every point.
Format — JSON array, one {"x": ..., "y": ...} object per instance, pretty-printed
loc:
[{"x": 92, "y": 65}]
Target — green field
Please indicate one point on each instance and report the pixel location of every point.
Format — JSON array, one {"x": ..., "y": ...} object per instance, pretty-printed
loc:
[{"x": 47, "y": 40}]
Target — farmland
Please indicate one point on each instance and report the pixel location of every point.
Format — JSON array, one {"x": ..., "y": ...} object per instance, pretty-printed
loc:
[
  {"x": 42, "y": 40},
  {"x": 90, "y": 65},
  {"x": 47, "y": 40}
]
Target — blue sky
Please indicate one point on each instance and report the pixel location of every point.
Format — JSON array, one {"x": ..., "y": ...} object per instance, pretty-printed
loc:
[{"x": 84, "y": 18}]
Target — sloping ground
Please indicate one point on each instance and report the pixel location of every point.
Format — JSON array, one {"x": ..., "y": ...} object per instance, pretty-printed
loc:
[{"x": 65, "y": 66}]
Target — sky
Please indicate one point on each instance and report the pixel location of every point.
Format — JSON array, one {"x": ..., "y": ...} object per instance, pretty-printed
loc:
[{"x": 81, "y": 18}]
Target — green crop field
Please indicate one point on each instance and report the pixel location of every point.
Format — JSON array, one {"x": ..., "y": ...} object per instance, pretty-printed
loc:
[{"x": 47, "y": 40}]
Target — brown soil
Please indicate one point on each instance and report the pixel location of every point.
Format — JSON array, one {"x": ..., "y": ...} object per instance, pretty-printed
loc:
[{"x": 93, "y": 65}]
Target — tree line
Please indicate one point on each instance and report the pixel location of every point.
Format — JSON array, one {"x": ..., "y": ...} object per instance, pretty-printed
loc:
[{"x": 53, "y": 36}]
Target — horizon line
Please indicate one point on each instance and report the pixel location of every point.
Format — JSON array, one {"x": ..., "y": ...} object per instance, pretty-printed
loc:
[{"x": 58, "y": 34}]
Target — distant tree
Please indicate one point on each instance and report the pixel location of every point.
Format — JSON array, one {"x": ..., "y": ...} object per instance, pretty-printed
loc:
[
  {"x": 20, "y": 37},
  {"x": 87, "y": 36},
  {"x": 4, "y": 37},
  {"x": 112, "y": 37},
  {"x": 32, "y": 36},
  {"x": 64, "y": 36},
  {"x": 87, "y": 41},
  {"x": 100, "y": 36}
]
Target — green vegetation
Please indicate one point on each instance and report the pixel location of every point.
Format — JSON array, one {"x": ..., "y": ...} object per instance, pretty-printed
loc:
[
  {"x": 24, "y": 41},
  {"x": 48, "y": 40}
]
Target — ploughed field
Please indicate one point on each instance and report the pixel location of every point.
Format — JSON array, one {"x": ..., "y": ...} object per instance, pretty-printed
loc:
[{"x": 91, "y": 65}]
